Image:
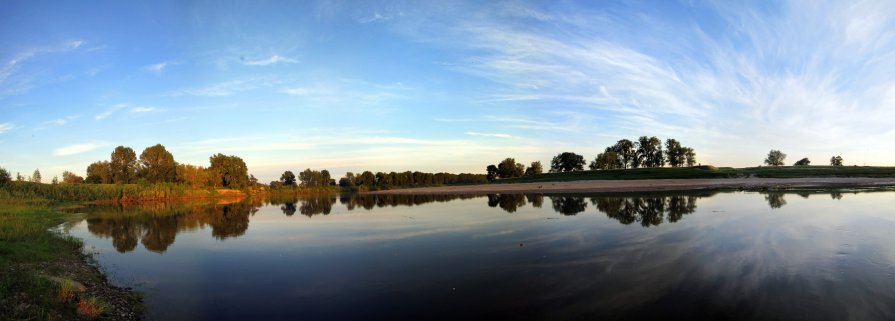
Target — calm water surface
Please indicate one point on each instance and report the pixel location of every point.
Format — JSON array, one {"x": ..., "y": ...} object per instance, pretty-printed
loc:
[{"x": 724, "y": 256}]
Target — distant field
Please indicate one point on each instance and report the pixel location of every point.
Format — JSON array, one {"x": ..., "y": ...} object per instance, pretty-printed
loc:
[{"x": 708, "y": 172}]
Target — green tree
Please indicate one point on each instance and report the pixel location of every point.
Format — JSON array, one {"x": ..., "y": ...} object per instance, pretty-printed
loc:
[
  {"x": 19, "y": 177},
  {"x": 157, "y": 164},
  {"x": 99, "y": 173},
  {"x": 649, "y": 152},
  {"x": 55, "y": 180},
  {"x": 5, "y": 177},
  {"x": 508, "y": 168},
  {"x": 567, "y": 162},
  {"x": 675, "y": 154},
  {"x": 535, "y": 169},
  {"x": 288, "y": 179},
  {"x": 626, "y": 153},
  {"x": 606, "y": 160},
  {"x": 690, "y": 156},
  {"x": 123, "y": 165},
  {"x": 228, "y": 171},
  {"x": 775, "y": 158},
  {"x": 195, "y": 176},
  {"x": 803, "y": 162},
  {"x": 71, "y": 178},
  {"x": 492, "y": 172},
  {"x": 836, "y": 161},
  {"x": 348, "y": 180},
  {"x": 35, "y": 178}
]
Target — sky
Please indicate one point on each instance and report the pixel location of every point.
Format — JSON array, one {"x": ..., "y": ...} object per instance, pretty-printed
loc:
[{"x": 442, "y": 85}]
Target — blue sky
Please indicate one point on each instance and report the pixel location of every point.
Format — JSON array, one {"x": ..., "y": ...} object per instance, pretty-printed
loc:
[{"x": 442, "y": 85}]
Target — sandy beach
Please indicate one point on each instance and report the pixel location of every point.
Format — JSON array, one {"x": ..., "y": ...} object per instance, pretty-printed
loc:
[{"x": 598, "y": 186}]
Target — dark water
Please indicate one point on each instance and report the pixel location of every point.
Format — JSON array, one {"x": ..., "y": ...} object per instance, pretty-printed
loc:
[{"x": 703, "y": 256}]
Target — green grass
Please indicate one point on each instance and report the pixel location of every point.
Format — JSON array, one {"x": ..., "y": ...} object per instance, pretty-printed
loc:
[
  {"x": 27, "y": 247},
  {"x": 101, "y": 192},
  {"x": 709, "y": 172}
]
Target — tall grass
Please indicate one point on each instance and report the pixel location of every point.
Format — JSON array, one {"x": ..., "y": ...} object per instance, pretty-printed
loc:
[{"x": 101, "y": 192}]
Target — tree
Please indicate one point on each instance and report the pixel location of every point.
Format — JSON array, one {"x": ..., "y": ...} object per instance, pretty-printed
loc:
[
  {"x": 567, "y": 162},
  {"x": 348, "y": 180},
  {"x": 5, "y": 177},
  {"x": 508, "y": 168},
  {"x": 535, "y": 169},
  {"x": 195, "y": 176},
  {"x": 626, "y": 153},
  {"x": 19, "y": 177},
  {"x": 649, "y": 152},
  {"x": 157, "y": 164},
  {"x": 99, "y": 173},
  {"x": 123, "y": 165},
  {"x": 690, "y": 156},
  {"x": 288, "y": 179},
  {"x": 606, "y": 160},
  {"x": 492, "y": 172},
  {"x": 775, "y": 158},
  {"x": 675, "y": 153},
  {"x": 55, "y": 180},
  {"x": 35, "y": 178},
  {"x": 836, "y": 161},
  {"x": 228, "y": 171},
  {"x": 803, "y": 162},
  {"x": 326, "y": 178},
  {"x": 71, "y": 178}
]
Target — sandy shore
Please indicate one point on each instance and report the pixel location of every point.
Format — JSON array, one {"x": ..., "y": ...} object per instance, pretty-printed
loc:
[{"x": 597, "y": 186}]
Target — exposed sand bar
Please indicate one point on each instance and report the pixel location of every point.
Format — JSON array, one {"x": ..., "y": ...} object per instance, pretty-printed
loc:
[{"x": 603, "y": 186}]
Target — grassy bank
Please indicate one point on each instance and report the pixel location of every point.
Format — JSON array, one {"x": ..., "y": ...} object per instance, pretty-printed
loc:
[
  {"x": 123, "y": 193},
  {"x": 708, "y": 172},
  {"x": 45, "y": 276}
]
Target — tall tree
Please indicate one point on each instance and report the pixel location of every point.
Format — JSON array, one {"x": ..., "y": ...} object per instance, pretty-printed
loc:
[
  {"x": 508, "y": 168},
  {"x": 649, "y": 152},
  {"x": 5, "y": 177},
  {"x": 535, "y": 169},
  {"x": 123, "y": 165},
  {"x": 606, "y": 160},
  {"x": 228, "y": 171},
  {"x": 288, "y": 179},
  {"x": 326, "y": 178},
  {"x": 626, "y": 153},
  {"x": 99, "y": 173},
  {"x": 35, "y": 178},
  {"x": 567, "y": 162},
  {"x": 775, "y": 158},
  {"x": 836, "y": 161},
  {"x": 690, "y": 156},
  {"x": 675, "y": 153},
  {"x": 157, "y": 164}
]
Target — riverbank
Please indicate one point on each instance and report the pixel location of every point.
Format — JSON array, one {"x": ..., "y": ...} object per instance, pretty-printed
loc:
[
  {"x": 646, "y": 185},
  {"x": 44, "y": 275}
]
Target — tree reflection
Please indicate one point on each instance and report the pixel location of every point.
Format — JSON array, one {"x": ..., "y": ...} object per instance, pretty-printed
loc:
[
  {"x": 156, "y": 225},
  {"x": 775, "y": 199},
  {"x": 508, "y": 202},
  {"x": 317, "y": 205},
  {"x": 568, "y": 205},
  {"x": 368, "y": 202},
  {"x": 648, "y": 210}
]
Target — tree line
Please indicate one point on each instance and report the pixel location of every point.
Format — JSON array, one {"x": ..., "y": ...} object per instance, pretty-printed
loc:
[
  {"x": 645, "y": 152},
  {"x": 776, "y": 157},
  {"x": 408, "y": 179}
]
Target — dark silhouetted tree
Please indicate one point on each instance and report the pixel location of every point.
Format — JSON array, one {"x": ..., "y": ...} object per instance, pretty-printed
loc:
[
  {"x": 803, "y": 162},
  {"x": 492, "y": 173},
  {"x": 35, "y": 178},
  {"x": 836, "y": 161},
  {"x": 288, "y": 179},
  {"x": 775, "y": 158},
  {"x": 567, "y": 162},
  {"x": 508, "y": 168}
]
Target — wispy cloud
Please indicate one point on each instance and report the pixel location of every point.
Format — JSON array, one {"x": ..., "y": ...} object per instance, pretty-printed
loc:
[
  {"x": 5, "y": 127},
  {"x": 489, "y": 135},
  {"x": 142, "y": 110},
  {"x": 275, "y": 59},
  {"x": 159, "y": 67},
  {"x": 16, "y": 78},
  {"x": 109, "y": 111},
  {"x": 77, "y": 149},
  {"x": 224, "y": 88}
]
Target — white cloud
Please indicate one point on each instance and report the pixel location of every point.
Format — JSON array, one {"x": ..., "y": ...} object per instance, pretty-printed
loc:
[
  {"x": 5, "y": 127},
  {"x": 76, "y": 149},
  {"x": 159, "y": 67},
  {"x": 140, "y": 110},
  {"x": 270, "y": 61},
  {"x": 110, "y": 111},
  {"x": 489, "y": 135}
]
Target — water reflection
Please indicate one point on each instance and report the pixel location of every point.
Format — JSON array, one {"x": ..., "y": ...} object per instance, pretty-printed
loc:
[{"x": 156, "y": 225}]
